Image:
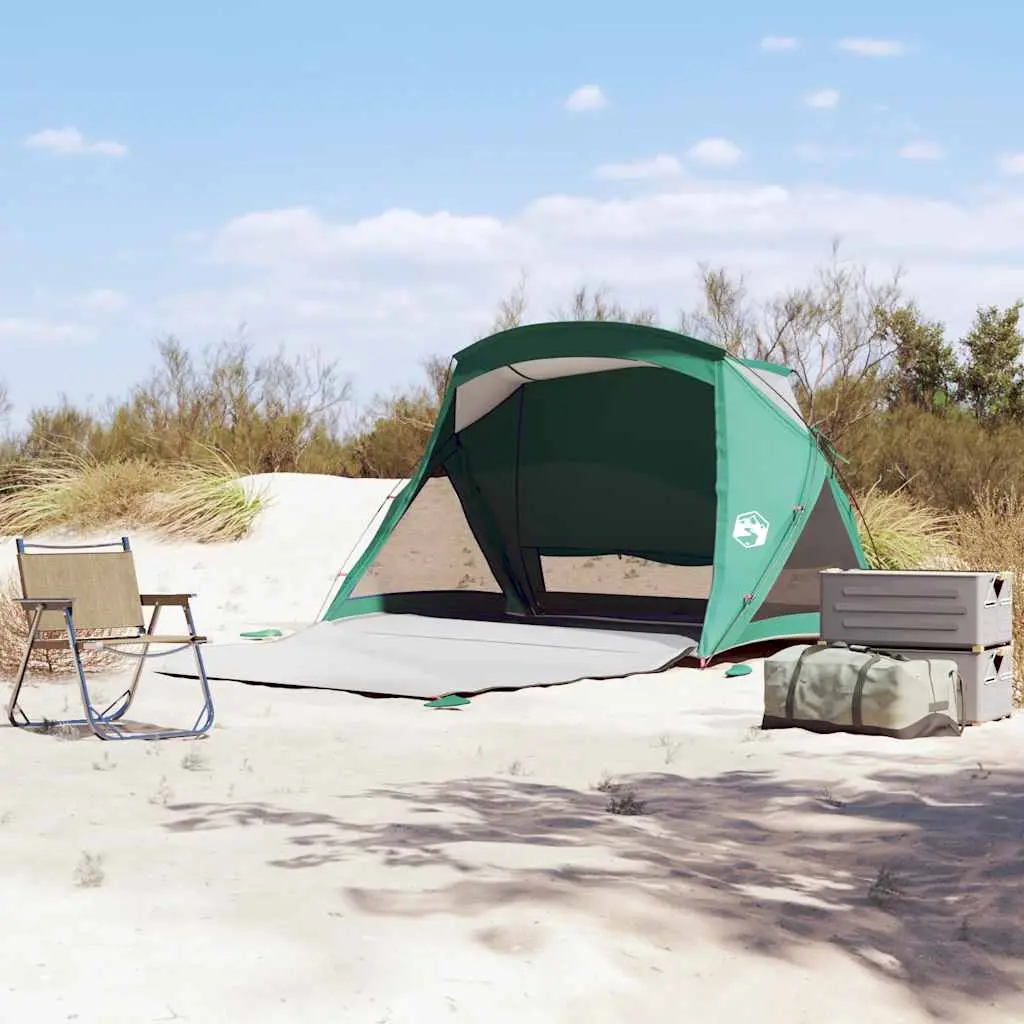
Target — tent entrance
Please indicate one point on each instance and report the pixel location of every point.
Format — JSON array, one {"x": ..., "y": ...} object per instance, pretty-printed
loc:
[{"x": 598, "y": 485}]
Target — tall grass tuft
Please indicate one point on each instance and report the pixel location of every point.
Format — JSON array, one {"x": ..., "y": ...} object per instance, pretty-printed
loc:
[
  {"x": 63, "y": 492},
  {"x": 207, "y": 502},
  {"x": 898, "y": 533},
  {"x": 991, "y": 537}
]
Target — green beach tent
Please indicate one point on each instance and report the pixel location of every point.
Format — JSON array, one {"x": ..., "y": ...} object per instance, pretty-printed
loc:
[{"x": 608, "y": 472}]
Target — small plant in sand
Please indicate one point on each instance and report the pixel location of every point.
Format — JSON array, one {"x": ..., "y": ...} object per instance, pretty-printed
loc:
[
  {"x": 163, "y": 795},
  {"x": 89, "y": 873},
  {"x": 194, "y": 761},
  {"x": 515, "y": 768},
  {"x": 897, "y": 532},
  {"x": 885, "y": 889},
  {"x": 828, "y": 797},
  {"x": 626, "y": 801},
  {"x": 606, "y": 783},
  {"x": 670, "y": 746}
]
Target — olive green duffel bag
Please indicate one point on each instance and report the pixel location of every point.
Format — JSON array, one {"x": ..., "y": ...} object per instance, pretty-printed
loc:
[{"x": 834, "y": 687}]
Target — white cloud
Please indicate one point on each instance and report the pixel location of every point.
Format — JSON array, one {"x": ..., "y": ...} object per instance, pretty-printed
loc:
[
  {"x": 866, "y": 47},
  {"x": 262, "y": 238},
  {"x": 27, "y": 331},
  {"x": 716, "y": 153},
  {"x": 660, "y": 166},
  {"x": 586, "y": 97},
  {"x": 822, "y": 99},
  {"x": 398, "y": 286},
  {"x": 922, "y": 149},
  {"x": 104, "y": 300},
  {"x": 779, "y": 44},
  {"x": 70, "y": 141},
  {"x": 1012, "y": 163}
]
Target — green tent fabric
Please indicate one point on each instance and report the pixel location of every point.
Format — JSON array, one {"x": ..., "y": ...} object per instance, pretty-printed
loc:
[{"x": 588, "y": 440}]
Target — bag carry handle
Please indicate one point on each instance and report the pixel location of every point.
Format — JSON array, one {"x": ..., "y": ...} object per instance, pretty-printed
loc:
[
  {"x": 857, "y": 709},
  {"x": 795, "y": 677},
  {"x": 862, "y": 649},
  {"x": 858, "y": 688}
]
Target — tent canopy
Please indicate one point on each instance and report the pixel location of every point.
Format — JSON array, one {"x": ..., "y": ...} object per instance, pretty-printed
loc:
[{"x": 609, "y": 470}]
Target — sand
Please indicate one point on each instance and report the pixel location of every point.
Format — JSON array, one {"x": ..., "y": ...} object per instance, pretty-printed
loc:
[{"x": 324, "y": 857}]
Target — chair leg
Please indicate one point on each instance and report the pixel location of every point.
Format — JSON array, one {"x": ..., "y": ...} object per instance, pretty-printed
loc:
[
  {"x": 122, "y": 703},
  {"x": 15, "y": 713},
  {"x": 204, "y": 721},
  {"x": 13, "y": 707},
  {"x": 105, "y": 726}
]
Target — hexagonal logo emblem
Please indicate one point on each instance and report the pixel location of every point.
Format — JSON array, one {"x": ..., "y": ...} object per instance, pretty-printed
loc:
[{"x": 750, "y": 529}]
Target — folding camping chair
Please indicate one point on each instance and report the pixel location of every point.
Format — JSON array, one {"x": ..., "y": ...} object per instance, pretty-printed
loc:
[{"x": 69, "y": 591}]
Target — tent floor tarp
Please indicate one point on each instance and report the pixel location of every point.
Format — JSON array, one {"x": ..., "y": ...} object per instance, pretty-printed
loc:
[{"x": 415, "y": 656}]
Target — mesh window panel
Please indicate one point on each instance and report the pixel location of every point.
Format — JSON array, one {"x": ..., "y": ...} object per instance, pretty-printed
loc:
[
  {"x": 824, "y": 544},
  {"x": 430, "y": 548},
  {"x": 614, "y": 575}
]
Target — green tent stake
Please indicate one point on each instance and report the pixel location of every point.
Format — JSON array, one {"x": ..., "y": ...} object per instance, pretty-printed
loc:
[
  {"x": 738, "y": 670},
  {"x": 261, "y": 634},
  {"x": 453, "y": 700}
]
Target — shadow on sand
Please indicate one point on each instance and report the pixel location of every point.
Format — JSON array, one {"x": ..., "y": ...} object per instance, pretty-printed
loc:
[{"x": 921, "y": 876}]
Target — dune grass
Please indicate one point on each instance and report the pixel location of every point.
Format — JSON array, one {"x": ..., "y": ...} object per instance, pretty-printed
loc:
[
  {"x": 204, "y": 502},
  {"x": 899, "y": 533}
]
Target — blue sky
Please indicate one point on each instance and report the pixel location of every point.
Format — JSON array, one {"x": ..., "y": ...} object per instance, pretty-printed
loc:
[{"x": 370, "y": 180}]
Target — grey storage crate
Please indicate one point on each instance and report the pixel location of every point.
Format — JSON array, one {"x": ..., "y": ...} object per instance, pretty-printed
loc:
[
  {"x": 987, "y": 680},
  {"x": 925, "y": 610}
]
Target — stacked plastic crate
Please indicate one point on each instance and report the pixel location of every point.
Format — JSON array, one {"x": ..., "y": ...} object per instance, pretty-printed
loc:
[{"x": 965, "y": 616}]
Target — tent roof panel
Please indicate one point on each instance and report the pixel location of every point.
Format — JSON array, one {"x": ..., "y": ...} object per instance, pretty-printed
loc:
[{"x": 580, "y": 338}]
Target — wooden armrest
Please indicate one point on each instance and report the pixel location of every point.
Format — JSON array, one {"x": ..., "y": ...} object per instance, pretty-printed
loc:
[
  {"x": 50, "y": 604},
  {"x": 181, "y": 600}
]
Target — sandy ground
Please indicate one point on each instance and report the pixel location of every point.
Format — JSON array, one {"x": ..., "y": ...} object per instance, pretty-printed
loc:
[{"x": 323, "y": 857}]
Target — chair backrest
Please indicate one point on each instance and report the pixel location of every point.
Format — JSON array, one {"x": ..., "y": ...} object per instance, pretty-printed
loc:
[{"x": 103, "y": 584}]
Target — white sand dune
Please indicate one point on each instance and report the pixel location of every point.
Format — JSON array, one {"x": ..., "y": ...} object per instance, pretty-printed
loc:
[{"x": 324, "y": 857}]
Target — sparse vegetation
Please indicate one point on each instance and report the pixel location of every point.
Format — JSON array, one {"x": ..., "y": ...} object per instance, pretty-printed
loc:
[
  {"x": 669, "y": 746},
  {"x": 89, "y": 873},
  {"x": 624, "y": 800},
  {"x": 163, "y": 795},
  {"x": 885, "y": 889},
  {"x": 194, "y": 761},
  {"x": 829, "y": 798}
]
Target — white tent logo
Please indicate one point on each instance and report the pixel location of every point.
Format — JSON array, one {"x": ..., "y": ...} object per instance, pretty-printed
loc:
[{"x": 750, "y": 529}]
